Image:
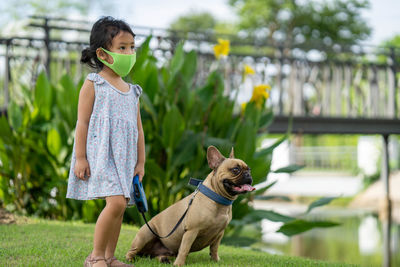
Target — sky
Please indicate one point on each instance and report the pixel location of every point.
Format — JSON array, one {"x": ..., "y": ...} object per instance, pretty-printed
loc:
[{"x": 384, "y": 15}]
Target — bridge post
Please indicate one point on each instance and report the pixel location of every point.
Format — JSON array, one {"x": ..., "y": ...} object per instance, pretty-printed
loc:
[
  {"x": 393, "y": 89},
  {"x": 47, "y": 45},
  {"x": 281, "y": 61},
  {"x": 385, "y": 209}
]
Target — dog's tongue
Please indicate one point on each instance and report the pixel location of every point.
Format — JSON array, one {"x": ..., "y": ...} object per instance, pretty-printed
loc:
[{"x": 244, "y": 187}]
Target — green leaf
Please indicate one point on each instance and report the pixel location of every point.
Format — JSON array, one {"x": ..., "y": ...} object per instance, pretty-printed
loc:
[
  {"x": 152, "y": 86},
  {"x": 263, "y": 189},
  {"x": 148, "y": 107},
  {"x": 173, "y": 127},
  {"x": 5, "y": 131},
  {"x": 299, "y": 226},
  {"x": 266, "y": 119},
  {"x": 177, "y": 59},
  {"x": 222, "y": 109},
  {"x": 67, "y": 100},
  {"x": 189, "y": 67},
  {"x": 142, "y": 55},
  {"x": 320, "y": 202},
  {"x": 246, "y": 141},
  {"x": 43, "y": 96},
  {"x": 259, "y": 168},
  {"x": 15, "y": 115},
  {"x": 257, "y": 215},
  {"x": 27, "y": 93},
  {"x": 157, "y": 174},
  {"x": 54, "y": 142},
  {"x": 289, "y": 169},
  {"x": 265, "y": 151},
  {"x": 252, "y": 113},
  {"x": 187, "y": 149},
  {"x": 239, "y": 241},
  {"x": 205, "y": 95},
  {"x": 284, "y": 198},
  {"x": 221, "y": 143}
]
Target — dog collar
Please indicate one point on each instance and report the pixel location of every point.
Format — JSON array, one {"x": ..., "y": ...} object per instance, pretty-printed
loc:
[{"x": 209, "y": 193}]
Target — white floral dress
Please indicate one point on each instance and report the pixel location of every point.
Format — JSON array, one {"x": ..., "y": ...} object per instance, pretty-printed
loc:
[{"x": 111, "y": 147}]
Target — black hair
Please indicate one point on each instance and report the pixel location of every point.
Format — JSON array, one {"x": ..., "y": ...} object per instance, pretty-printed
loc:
[{"x": 103, "y": 32}]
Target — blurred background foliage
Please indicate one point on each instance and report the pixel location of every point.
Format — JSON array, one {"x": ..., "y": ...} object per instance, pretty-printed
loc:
[
  {"x": 180, "y": 121},
  {"x": 286, "y": 23}
]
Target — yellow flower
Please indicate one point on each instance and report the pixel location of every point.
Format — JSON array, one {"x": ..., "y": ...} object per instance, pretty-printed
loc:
[
  {"x": 260, "y": 93},
  {"x": 243, "y": 105},
  {"x": 222, "y": 48},
  {"x": 248, "y": 70}
]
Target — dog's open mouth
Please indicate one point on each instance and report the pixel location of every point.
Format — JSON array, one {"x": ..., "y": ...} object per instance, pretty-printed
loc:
[{"x": 235, "y": 189}]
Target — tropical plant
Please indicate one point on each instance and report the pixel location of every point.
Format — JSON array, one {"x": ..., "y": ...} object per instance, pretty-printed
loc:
[
  {"x": 180, "y": 120},
  {"x": 36, "y": 141}
]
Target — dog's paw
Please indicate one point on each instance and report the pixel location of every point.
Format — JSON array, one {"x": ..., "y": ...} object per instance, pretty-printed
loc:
[
  {"x": 179, "y": 263},
  {"x": 130, "y": 255},
  {"x": 163, "y": 259},
  {"x": 215, "y": 257}
]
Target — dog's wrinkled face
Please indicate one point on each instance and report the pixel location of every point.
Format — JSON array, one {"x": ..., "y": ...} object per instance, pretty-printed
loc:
[
  {"x": 235, "y": 176},
  {"x": 232, "y": 175}
]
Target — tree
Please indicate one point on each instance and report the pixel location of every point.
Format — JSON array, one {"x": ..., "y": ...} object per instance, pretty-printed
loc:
[
  {"x": 198, "y": 25},
  {"x": 194, "y": 21},
  {"x": 392, "y": 42},
  {"x": 389, "y": 48},
  {"x": 304, "y": 23}
]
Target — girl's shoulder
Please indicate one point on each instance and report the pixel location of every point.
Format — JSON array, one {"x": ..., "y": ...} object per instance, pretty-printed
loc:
[
  {"x": 136, "y": 88},
  {"x": 94, "y": 77},
  {"x": 98, "y": 79}
]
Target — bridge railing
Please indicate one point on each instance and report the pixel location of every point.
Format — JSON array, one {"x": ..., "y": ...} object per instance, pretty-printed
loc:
[
  {"x": 346, "y": 82},
  {"x": 342, "y": 158}
]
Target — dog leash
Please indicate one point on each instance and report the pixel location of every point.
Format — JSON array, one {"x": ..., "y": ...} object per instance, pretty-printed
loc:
[
  {"x": 141, "y": 202},
  {"x": 138, "y": 197},
  {"x": 177, "y": 224}
]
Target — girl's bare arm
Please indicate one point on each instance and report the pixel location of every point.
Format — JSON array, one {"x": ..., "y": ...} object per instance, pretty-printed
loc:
[
  {"x": 141, "y": 146},
  {"x": 85, "y": 107}
]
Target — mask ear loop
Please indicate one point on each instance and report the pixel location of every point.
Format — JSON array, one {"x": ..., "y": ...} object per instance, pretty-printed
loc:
[{"x": 106, "y": 51}]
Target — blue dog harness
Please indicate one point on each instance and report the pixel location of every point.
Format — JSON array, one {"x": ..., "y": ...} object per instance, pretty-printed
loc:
[{"x": 209, "y": 193}]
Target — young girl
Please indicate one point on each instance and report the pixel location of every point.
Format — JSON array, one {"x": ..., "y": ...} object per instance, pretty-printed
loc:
[{"x": 109, "y": 141}]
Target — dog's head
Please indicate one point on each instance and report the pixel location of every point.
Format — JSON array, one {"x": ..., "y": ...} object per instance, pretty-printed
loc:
[{"x": 230, "y": 176}]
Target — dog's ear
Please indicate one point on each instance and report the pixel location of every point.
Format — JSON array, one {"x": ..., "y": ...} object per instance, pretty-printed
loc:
[
  {"x": 232, "y": 154},
  {"x": 214, "y": 157}
]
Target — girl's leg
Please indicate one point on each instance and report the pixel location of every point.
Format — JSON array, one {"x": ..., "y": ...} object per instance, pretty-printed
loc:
[
  {"x": 104, "y": 230},
  {"x": 112, "y": 242}
]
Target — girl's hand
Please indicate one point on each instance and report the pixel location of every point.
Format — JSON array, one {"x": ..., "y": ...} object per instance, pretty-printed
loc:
[
  {"x": 139, "y": 170},
  {"x": 82, "y": 169}
]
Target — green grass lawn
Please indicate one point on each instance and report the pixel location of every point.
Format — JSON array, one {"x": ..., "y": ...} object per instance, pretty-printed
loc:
[{"x": 35, "y": 242}]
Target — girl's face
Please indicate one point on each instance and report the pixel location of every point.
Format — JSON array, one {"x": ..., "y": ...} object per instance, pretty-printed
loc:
[{"x": 122, "y": 43}]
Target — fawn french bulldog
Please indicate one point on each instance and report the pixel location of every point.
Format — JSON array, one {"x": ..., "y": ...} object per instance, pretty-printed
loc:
[{"x": 205, "y": 220}]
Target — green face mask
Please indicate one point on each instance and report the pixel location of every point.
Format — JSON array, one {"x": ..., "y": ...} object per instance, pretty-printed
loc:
[{"x": 122, "y": 63}]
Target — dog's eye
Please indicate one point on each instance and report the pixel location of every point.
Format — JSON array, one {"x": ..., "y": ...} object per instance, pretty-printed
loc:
[{"x": 236, "y": 170}]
